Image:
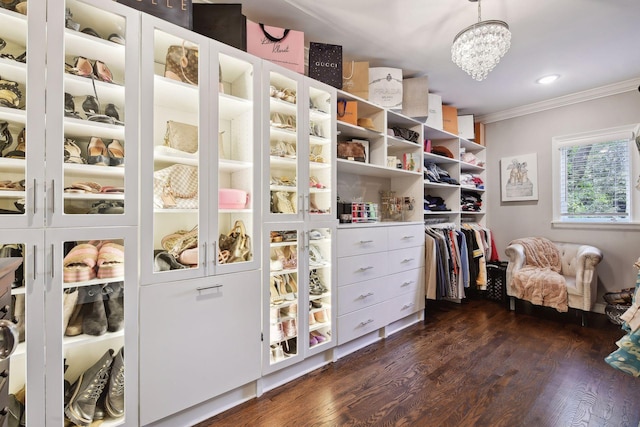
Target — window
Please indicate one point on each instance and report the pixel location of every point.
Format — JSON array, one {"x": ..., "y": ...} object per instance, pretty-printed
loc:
[{"x": 593, "y": 175}]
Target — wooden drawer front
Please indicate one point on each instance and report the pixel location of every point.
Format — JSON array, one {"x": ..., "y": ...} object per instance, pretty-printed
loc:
[
  {"x": 361, "y": 322},
  {"x": 357, "y": 241},
  {"x": 404, "y": 282},
  {"x": 404, "y": 305},
  {"x": 362, "y": 294},
  {"x": 207, "y": 330},
  {"x": 405, "y": 236},
  {"x": 406, "y": 259},
  {"x": 362, "y": 267}
]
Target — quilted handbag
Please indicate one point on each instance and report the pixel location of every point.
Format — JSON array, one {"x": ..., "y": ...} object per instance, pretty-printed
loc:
[
  {"x": 176, "y": 187},
  {"x": 181, "y": 136},
  {"x": 182, "y": 64}
]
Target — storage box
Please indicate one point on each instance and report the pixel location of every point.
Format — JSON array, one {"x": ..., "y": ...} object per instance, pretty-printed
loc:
[
  {"x": 479, "y": 133},
  {"x": 415, "y": 97},
  {"x": 435, "y": 112},
  {"x": 230, "y": 198},
  {"x": 223, "y": 22},
  {"x": 450, "y": 119},
  {"x": 465, "y": 127},
  {"x": 348, "y": 111}
]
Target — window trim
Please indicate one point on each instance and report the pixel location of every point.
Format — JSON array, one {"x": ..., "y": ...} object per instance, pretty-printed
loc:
[{"x": 591, "y": 137}]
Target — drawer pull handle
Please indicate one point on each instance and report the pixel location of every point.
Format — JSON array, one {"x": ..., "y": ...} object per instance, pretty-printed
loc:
[
  {"x": 370, "y": 294},
  {"x": 407, "y": 306},
  {"x": 365, "y": 268},
  {"x": 407, "y": 283},
  {"x": 407, "y": 260},
  {"x": 364, "y": 242},
  {"x": 366, "y": 322},
  {"x": 206, "y": 288},
  {"x": 408, "y": 237}
]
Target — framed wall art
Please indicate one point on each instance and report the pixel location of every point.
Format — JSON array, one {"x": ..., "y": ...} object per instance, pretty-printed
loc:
[{"x": 519, "y": 178}]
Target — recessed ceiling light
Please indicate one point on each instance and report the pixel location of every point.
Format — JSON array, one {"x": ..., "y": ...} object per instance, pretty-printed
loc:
[{"x": 548, "y": 79}]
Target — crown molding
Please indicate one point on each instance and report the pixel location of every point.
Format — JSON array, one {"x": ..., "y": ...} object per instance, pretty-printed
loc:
[{"x": 587, "y": 95}]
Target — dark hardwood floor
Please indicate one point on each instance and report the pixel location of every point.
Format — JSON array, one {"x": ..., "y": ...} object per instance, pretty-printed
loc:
[{"x": 470, "y": 364}]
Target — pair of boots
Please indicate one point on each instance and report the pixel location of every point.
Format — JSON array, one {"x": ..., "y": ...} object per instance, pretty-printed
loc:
[
  {"x": 94, "y": 310},
  {"x": 101, "y": 383}
]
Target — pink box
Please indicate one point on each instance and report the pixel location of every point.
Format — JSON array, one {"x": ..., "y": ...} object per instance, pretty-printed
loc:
[{"x": 230, "y": 198}]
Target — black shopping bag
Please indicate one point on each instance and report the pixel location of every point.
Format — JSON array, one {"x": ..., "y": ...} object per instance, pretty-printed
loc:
[
  {"x": 223, "y": 22},
  {"x": 325, "y": 63}
]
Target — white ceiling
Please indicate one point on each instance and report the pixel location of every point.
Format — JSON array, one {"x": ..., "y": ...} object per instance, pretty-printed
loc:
[{"x": 590, "y": 43}]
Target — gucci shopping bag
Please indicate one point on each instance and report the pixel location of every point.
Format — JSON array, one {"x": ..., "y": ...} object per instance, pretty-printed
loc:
[{"x": 325, "y": 63}]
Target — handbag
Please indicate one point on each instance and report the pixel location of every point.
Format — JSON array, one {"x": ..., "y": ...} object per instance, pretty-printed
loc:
[
  {"x": 235, "y": 246},
  {"x": 178, "y": 242},
  {"x": 406, "y": 134},
  {"x": 281, "y": 46},
  {"x": 176, "y": 187},
  {"x": 352, "y": 151},
  {"x": 182, "y": 64},
  {"x": 325, "y": 63},
  {"x": 181, "y": 136}
]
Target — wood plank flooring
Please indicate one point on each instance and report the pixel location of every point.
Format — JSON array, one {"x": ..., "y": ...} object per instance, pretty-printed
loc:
[{"x": 470, "y": 364}]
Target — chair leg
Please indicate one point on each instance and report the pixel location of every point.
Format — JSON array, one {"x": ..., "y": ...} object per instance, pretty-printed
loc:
[
  {"x": 512, "y": 304},
  {"x": 584, "y": 318}
]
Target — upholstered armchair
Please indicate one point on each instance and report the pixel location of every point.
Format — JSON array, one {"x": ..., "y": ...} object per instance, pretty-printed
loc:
[{"x": 577, "y": 264}]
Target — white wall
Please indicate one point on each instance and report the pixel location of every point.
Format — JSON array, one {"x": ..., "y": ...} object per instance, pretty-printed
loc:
[{"x": 533, "y": 133}]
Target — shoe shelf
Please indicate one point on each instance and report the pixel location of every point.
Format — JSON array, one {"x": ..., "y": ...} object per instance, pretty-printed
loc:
[
  {"x": 9, "y": 194},
  {"x": 368, "y": 169},
  {"x": 77, "y": 128},
  {"x": 174, "y": 94},
  {"x": 13, "y": 115},
  {"x": 233, "y": 106},
  {"x": 83, "y": 339},
  {"x": 318, "y": 140},
  {"x": 110, "y": 53}
]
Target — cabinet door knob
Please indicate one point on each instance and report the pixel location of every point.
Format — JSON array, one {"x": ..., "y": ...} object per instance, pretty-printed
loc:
[{"x": 8, "y": 338}]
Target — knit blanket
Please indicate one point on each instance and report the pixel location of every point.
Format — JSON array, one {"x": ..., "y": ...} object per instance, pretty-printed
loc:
[{"x": 540, "y": 281}]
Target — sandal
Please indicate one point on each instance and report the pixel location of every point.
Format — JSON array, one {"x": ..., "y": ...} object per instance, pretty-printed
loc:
[
  {"x": 21, "y": 149},
  {"x": 283, "y": 203},
  {"x": 102, "y": 72},
  {"x": 315, "y": 183},
  {"x": 79, "y": 263},
  {"x": 90, "y": 106},
  {"x": 316, "y": 154},
  {"x": 111, "y": 111},
  {"x": 70, "y": 106},
  {"x": 91, "y": 32},
  {"x": 84, "y": 187},
  {"x": 315, "y": 257},
  {"x": 6, "y": 139},
  {"x": 288, "y": 95},
  {"x": 10, "y": 94},
  {"x": 116, "y": 38},
  {"x": 110, "y": 261},
  {"x": 72, "y": 153},
  {"x": 275, "y": 296},
  {"x": 12, "y": 185},
  {"x": 81, "y": 67}
]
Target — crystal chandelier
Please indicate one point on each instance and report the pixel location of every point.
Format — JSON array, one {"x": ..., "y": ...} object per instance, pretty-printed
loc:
[{"x": 479, "y": 47}]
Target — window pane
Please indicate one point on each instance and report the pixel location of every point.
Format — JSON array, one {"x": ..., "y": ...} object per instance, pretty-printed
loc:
[{"x": 595, "y": 181}]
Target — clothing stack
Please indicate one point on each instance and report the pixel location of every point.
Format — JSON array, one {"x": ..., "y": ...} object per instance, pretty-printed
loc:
[
  {"x": 471, "y": 201},
  {"x": 471, "y": 181},
  {"x": 435, "y": 203},
  {"x": 435, "y": 173}
]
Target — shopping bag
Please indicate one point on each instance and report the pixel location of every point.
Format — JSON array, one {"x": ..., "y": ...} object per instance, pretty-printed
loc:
[
  {"x": 223, "y": 22},
  {"x": 281, "y": 46},
  {"x": 348, "y": 111},
  {"x": 355, "y": 78},
  {"x": 325, "y": 63},
  {"x": 385, "y": 87},
  {"x": 175, "y": 11}
]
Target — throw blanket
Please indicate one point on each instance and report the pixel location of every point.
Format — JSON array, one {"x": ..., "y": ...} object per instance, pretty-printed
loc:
[{"x": 540, "y": 281}]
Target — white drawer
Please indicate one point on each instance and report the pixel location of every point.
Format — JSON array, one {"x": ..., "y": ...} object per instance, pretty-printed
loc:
[
  {"x": 406, "y": 259},
  {"x": 361, "y": 322},
  {"x": 362, "y": 267},
  {"x": 357, "y": 241},
  {"x": 403, "y": 305},
  {"x": 406, "y": 281},
  {"x": 362, "y": 294},
  {"x": 405, "y": 236}
]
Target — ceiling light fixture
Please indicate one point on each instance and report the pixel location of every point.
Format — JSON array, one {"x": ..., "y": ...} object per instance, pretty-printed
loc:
[
  {"x": 478, "y": 48},
  {"x": 548, "y": 79}
]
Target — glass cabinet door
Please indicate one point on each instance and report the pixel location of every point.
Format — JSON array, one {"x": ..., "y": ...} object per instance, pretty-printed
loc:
[
  {"x": 283, "y": 296},
  {"x": 283, "y": 195},
  {"x": 23, "y": 84},
  {"x": 175, "y": 130},
  {"x": 24, "y": 306},
  {"x": 320, "y": 201},
  {"x": 238, "y": 167},
  {"x": 91, "y": 319},
  {"x": 92, "y": 138},
  {"x": 321, "y": 278}
]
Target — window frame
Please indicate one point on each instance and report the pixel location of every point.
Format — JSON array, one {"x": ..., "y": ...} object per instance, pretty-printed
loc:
[{"x": 629, "y": 132}]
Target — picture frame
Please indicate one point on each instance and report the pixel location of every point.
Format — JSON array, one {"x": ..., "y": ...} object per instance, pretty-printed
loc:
[{"x": 519, "y": 178}]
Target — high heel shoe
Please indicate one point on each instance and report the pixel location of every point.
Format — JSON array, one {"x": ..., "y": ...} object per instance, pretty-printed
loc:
[
  {"x": 276, "y": 298},
  {"x": 90, "y": 106},
  {"x": 116, "y": 153},
  {"x": 70, "y": 106},
  {"x": 111, "y": 111},
  {"x": 97, "y": 153},
  {"x": 290, "y": 284},
  {"x": 82, "y": 67},
  {"x": 21, "y": 149},
  {"x": 102, "y": 72}
]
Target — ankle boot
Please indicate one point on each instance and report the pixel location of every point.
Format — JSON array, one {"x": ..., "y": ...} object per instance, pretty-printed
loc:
[
  {"x": 94, "y": 321},
  {"x": 86, "y": 391},
  {"x": 114, "y": 402},
  {"x": 69, "y": 299},
  {"x": 18, "y": 315},
  {"x": 114, "y": 305}
]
